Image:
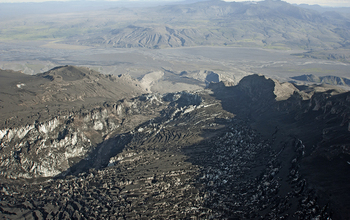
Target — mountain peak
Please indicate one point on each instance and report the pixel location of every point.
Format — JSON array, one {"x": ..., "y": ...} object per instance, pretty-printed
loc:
[
  {"x": 266, "y": 88},
  {"x": 68, "y": 73}
]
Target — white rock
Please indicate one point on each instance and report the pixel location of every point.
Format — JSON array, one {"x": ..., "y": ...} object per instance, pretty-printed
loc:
[{"x": 98, "y": 126}]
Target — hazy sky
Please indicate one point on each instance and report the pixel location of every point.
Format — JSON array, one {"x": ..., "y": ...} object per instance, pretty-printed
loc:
[{"x": 332, "y": 3}]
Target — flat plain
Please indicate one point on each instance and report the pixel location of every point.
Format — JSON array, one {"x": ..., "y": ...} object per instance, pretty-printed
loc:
[{"x": 230, "y": 62}]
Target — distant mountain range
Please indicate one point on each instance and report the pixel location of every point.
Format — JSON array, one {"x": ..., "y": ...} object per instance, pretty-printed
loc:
[
  {"x": 331, "y": 80},
  {"x": 267, "y": 24}
]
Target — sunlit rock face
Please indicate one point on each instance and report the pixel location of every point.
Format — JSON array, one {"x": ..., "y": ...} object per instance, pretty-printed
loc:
[{"x": 49, "y": 148}]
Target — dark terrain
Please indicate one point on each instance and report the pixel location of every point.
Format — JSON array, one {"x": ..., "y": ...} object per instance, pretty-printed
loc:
[
  {"x": 26, "y": 98},
  {"x": 258, "y": 150},
  {"x": 78, "y": 144}
]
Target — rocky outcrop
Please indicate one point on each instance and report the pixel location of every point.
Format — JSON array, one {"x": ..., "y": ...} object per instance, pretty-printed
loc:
[
  {"x": 259, "y": 87},
  {"x": 183, "y": 98},
  {"x": 49, "y": 148}
]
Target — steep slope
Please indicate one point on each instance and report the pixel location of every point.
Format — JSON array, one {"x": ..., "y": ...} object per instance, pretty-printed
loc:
[
  {"x": 250, "y": 151},
  {"x": 27, "y": 98},
  {"x": 193, "y": 160},
  {"x": 41, "y": 132},
  {"x": 317, "y": 115}
]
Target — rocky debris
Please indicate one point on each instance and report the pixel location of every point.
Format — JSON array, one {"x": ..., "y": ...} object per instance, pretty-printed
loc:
[
  {"x": 317, "y": 115},
  {"x": 183, "y": 99},
  {"x": 46, "y": 149},
  {"x": 187, "y": 155},
  {"x": 221, "y": 169},
  {"x": 242, "y": 180}
]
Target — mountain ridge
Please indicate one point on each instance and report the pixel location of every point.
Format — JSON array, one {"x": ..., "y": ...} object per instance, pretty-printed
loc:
[
  {"x": 215, "y": 23},
  {"x": 59, "y": 90},
  {"x": 264, "y": 24}
]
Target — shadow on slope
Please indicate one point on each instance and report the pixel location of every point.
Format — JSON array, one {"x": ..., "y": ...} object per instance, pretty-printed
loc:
[
  {"x": 319, "y": 119},
  {"x": 99, "y": 157},
  {"x": 242, "y": 176}
]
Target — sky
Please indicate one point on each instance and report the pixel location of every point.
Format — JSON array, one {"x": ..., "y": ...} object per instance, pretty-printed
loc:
[{"x": 330, "y": 3}]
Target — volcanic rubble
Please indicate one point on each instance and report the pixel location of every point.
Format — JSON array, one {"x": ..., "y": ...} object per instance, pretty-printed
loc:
[{"x": 192, "y": 160}]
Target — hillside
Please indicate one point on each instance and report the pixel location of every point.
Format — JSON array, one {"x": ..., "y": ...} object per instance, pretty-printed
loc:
[
  {"x": 26, "y": 98},
  {"x": 260, "y": 149},
  {"x": 269, "y": 24}
]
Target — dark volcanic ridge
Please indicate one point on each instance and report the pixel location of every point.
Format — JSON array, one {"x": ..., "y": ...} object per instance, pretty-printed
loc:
[
  {"x": 258, "y": 150},
  {"x": 26, "y": 98}
]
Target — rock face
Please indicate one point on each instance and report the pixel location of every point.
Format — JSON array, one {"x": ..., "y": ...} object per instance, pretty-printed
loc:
[
  {"x": 249, "y": 151},
  {"x": 49, "y": 148}
]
